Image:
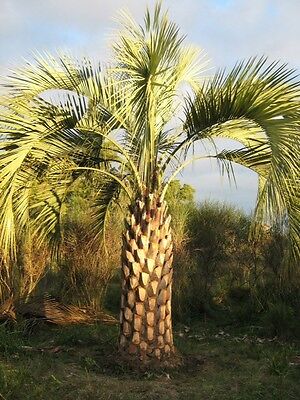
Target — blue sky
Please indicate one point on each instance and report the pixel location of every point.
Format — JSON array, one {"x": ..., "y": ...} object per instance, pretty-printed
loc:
[{"x": 228, "y": 30}]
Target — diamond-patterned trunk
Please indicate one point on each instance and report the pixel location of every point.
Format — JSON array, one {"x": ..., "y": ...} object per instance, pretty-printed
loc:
[{"x": 145, "y": 318}]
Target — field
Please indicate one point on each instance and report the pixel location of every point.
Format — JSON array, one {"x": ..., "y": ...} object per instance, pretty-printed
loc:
[{"x": 78, "y": 363}]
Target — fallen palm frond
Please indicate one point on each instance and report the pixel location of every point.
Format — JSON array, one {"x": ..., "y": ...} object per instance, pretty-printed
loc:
[{"x": 52, "y": 311}]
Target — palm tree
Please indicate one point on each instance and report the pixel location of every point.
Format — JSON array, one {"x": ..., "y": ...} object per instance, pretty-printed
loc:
[{"x": 128, "y": 127}]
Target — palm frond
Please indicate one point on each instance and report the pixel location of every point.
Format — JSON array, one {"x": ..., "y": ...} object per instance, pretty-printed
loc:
[
  {"x": 151, "y": 64},
  {"x": 106, "y": 197},
  {"x": 38, "y": 139},
  {"x": 256, "y": 104},
  {"x": 118, "y": 123}
]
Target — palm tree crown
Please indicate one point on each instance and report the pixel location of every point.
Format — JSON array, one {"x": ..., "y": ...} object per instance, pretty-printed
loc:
[
  {"x": 129, "y": 126},
  {"x": 116, "y": 122}
]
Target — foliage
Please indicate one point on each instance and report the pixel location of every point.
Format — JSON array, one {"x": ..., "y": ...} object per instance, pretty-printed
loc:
[
  {"x": 180, "y": 199},
  {"x": 221, "y": 273},
  {"x": 214, "y": 258},
  {"x": 280, "y": 319},
  {"x": 112, "y": 125}
]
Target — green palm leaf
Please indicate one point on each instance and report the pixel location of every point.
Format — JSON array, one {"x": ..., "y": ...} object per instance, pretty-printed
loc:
[{"x": 118, "y": 121}]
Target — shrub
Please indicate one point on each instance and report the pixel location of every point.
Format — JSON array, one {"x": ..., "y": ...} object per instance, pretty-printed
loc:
[{"x": 279, "y": 319}]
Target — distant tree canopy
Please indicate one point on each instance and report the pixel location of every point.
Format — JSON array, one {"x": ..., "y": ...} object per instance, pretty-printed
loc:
[{"x": 180, "y": 192}]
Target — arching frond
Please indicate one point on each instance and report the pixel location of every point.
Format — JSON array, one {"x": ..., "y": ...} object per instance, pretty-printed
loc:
[
  {"x": 106, "y": 197},
  {"x": 256, "y": 104},
  {"x": 40, "y": 138}
]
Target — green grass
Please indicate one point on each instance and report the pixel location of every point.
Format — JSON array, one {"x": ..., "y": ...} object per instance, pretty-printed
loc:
[{"x": 78, "y": 363}]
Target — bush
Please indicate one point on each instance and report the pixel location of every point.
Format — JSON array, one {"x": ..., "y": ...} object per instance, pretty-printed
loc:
[
  {"x": 218, "y": 268},
  {"x": 279, "y": 320},
  {"x": 210, "y": 263}
]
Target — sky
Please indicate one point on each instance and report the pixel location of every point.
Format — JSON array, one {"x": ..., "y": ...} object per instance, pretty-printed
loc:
[{"x": 227, "y": 30}]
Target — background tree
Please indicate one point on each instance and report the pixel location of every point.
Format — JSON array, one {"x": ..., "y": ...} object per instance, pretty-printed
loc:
[{"x": 124, "y": 124}]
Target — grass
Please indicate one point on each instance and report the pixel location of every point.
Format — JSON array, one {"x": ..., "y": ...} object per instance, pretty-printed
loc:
[{"x": 77, "y": 363}]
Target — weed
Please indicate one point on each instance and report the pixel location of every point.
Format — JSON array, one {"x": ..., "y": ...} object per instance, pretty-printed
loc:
[
  {"x": 10, "y": 340},
  {"x": 279, "y": 319},
  {"x": 278, "y": 362}
]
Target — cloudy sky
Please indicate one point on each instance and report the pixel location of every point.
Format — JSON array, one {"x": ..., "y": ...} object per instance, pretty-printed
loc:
[{"x": 228, "y": 30}]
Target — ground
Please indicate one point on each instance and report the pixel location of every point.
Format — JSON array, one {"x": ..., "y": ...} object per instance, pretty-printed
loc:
[{"x": 77, "y": 363}]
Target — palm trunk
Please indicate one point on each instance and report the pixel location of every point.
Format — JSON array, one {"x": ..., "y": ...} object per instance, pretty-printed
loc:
[{"x": 145, "y": 318}]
